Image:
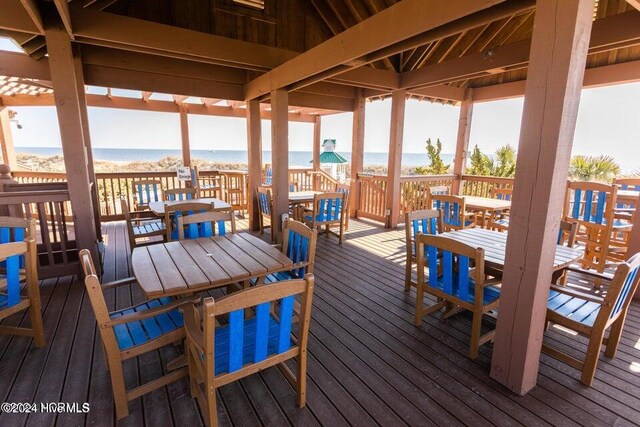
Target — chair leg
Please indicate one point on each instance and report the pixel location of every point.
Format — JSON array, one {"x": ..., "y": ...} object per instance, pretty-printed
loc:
[
  {"x": 35, "y": 314},
  {"x": 119, "y": 389},
  {"x": 614, "y": 336},
  {"x": 407, "y": 274},
  {"x": 301, "y": 384},
  {"x": 476, "y": 326},
  {"x": 341, "y": 233},
  {"x": 212, "y": 407},
  {"x": 591, "y": 359},
  {"x": 419, "y": 303}
]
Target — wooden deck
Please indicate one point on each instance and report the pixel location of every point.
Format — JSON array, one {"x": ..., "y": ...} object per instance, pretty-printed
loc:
[{"x": 368, "y": 363}]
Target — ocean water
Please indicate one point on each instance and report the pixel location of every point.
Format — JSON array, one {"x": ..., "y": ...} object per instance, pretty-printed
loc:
[{"x": 296, "y": 158}]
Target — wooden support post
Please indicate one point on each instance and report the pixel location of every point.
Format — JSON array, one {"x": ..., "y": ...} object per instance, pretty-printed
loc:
[
  {"x": 398, "y": 99},
  {"x": 317, "y": 127},
  {"x": 279, "y": 158},
  {"x": 254, "y": 151},
  {"x": 357, "y": 151},
  {"x": 86, "y": 134},
  {"x": 184, "y": 135},
  {"x": 559, "y": 46},
  {"x": 6, "y": 140},
  {"x": 462, "y": 145},
  {"x": 65, "y": 84}
]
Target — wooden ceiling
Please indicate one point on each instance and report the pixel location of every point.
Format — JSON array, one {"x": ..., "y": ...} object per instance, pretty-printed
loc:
[{"x": 298, "y": 25}]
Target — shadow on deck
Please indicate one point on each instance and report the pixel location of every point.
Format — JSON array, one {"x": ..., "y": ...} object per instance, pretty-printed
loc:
[{"x": 368, "y": 363}]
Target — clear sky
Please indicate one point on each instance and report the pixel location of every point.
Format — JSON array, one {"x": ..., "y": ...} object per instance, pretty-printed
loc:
[{"x": 608, "y": 123}]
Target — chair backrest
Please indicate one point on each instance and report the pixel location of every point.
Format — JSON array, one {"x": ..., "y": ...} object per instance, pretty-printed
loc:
[
  {"x": 502, "y": 193},
  {"x": 268, "y": 175},
  {"x": 439, "y": 190},
  {"x": 328, "y": 207},
  {"x": 452, "y": 271},
  {"x": 12, "y": 255},
  {"x": 623, "y": 286},
  {"x": 299, "y": 245},
  {"x": 567, "y": 233},
  {"x": 180, "y": 194},
  {"x": 632, "y": 184},
  {"x": 590, "y": 203},
  {"x": 293, "y": 186},
  {"x": 452, "y": 208},
  {"x": 343, "y": 188},
  {"x": 147, "y": 190},
  {"x": 270, "y": 335},
  {"x": 204, "y": 224},
  {"x": 265, "y": 203},
  {"x": 427, "y": 221},
  {"x": 13, "y": 229},
  {"x": 172, "y": 213}
]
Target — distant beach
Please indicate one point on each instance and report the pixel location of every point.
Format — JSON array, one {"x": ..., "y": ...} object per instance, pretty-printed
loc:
[{"x": 50, "y": 159}]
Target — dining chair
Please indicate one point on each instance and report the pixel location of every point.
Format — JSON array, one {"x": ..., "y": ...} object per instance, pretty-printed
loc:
[
  {"x": 18, "y": 260},
  {"x": 591, "y": 315},
  {"x": 204, "y": 224},
  {"x": 457, "y": 279},
  {"x": 172, "y": 213},
  {"x": 141, "y": 225},
  {"x": 591, "y": 205},
  {"x": 132, "y": 332},
  {"x": 299, "y": 245},
  {"x": 346, "y": 189},
  {"x": 426, "y": 221},
  {"x": 145, "y": 191},
  {"x": 499, "y": 220},
  {"x": 628, "y": 184},
  {"x": 15, "y": 229},
  {"x": 224, "y": 346},
  {"x": 265, "y": 207},
  {"x": 436, "y": 190},
  {"x": 454, "y": 214},
  {"x": 207, "y": 185},
  {"x": 234, "y": 190},
  {"x": 293, "y": 186},
  {"x": 180, "y": 194},
  {"x": 328, "y": 211}
]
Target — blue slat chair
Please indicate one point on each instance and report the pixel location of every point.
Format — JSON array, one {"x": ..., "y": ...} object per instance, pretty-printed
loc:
[
  {"x": 299, "y": 245},
  {"x": 499, "y": 220},
  {"x": 19, "y": 259},
  {"x": 145, "y": 191},
  {"x": 265, "y": 207},
  {"x": 426, "y": 221},
  {"x": 346, "y": 189},
  {"x": 141, "y": 225},
  {"x": 180, "y": 194},
  {"x": 172, "y": 213},
  {"x": 131, "y": 332},
  {"x": 206, "y": 224},
  {"x": 437, "y": 190},
  {"x": 457, "y": 279},
  {"x": 221, "y": 352},
  {"x": 592, "y": 206},
  {"x": 591, "y": 315},
  {"x": 268, "y": 178},
  {"x": 454, "y": 214},
  {"x": 328, "y": 211},
  {"x": 632, "y": 184}
]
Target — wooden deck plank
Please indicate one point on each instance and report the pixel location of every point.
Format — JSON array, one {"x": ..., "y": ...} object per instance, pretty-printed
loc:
[{"x": 368, "y": 363}]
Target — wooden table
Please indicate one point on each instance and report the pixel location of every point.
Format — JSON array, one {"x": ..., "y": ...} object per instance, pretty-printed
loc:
[
  {"x": 186, "y": 266},
  {"x": 486, "y": 204},
  {"x": 297, "y": 197},
  {"x": 159, "y": 207},
  {"x": 494, "y": 244}
]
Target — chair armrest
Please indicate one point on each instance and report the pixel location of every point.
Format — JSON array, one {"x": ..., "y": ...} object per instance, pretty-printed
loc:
[
  {"x": 277, "y": 245},
  {"x": 141, "y": 315},
  {"x": 118, "y": 283},
  {"x": 591, "y": 273},
  {"x": 142, "y": 215},
  {"x": 574, "y": 293}
]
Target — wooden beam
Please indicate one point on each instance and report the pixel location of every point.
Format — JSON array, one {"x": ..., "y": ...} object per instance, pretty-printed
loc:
[
  {"x": 357, "y": 151},
  {"x": 394, "y": 166},
  {"x": 558, "y": 55},
  {"x": 32, "y": 9},
  {"x": 184, "y": 135},
  {"x": 254, "y": 154},
  {"x": 66, "y": 84},
  {"x": 634, "y": 3},
  {"x": 279, "y": 159},
  {"x": 625, "y": 72},
  {"x": 6, "y": 140},
  {"x": 317, "y": 128},
  {"x": 462, "y": 144},
  {"x": 609, "y": 33},
  {"x": 63, "y": 10},
  {"x": 15, "y": 64},
  {"x": 109, "y": 30},
  {"x": 394, "y": 24},
  {"x": 14, "y": 17}
]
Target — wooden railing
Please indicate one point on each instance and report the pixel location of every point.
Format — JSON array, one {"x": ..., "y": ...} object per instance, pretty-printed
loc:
[
  {"x": 482, "y": 186},
  {"x": 415, "y": 190},
  {"x": 373, "y": 192},
  {"x": 55, "y": 237}
]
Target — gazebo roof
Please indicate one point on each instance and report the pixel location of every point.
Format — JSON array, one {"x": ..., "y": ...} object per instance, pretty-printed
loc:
[{"x": 332, "y": 157}]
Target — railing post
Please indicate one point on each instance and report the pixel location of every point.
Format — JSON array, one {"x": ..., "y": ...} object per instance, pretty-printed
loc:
[
  {"x": 398, "y": 99},
  {"x": 6, "y": 139},
  {"x": 357, "y": 151},
  {"x": 317, "y": 127},
  {"x": 254, "y": 178}
]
